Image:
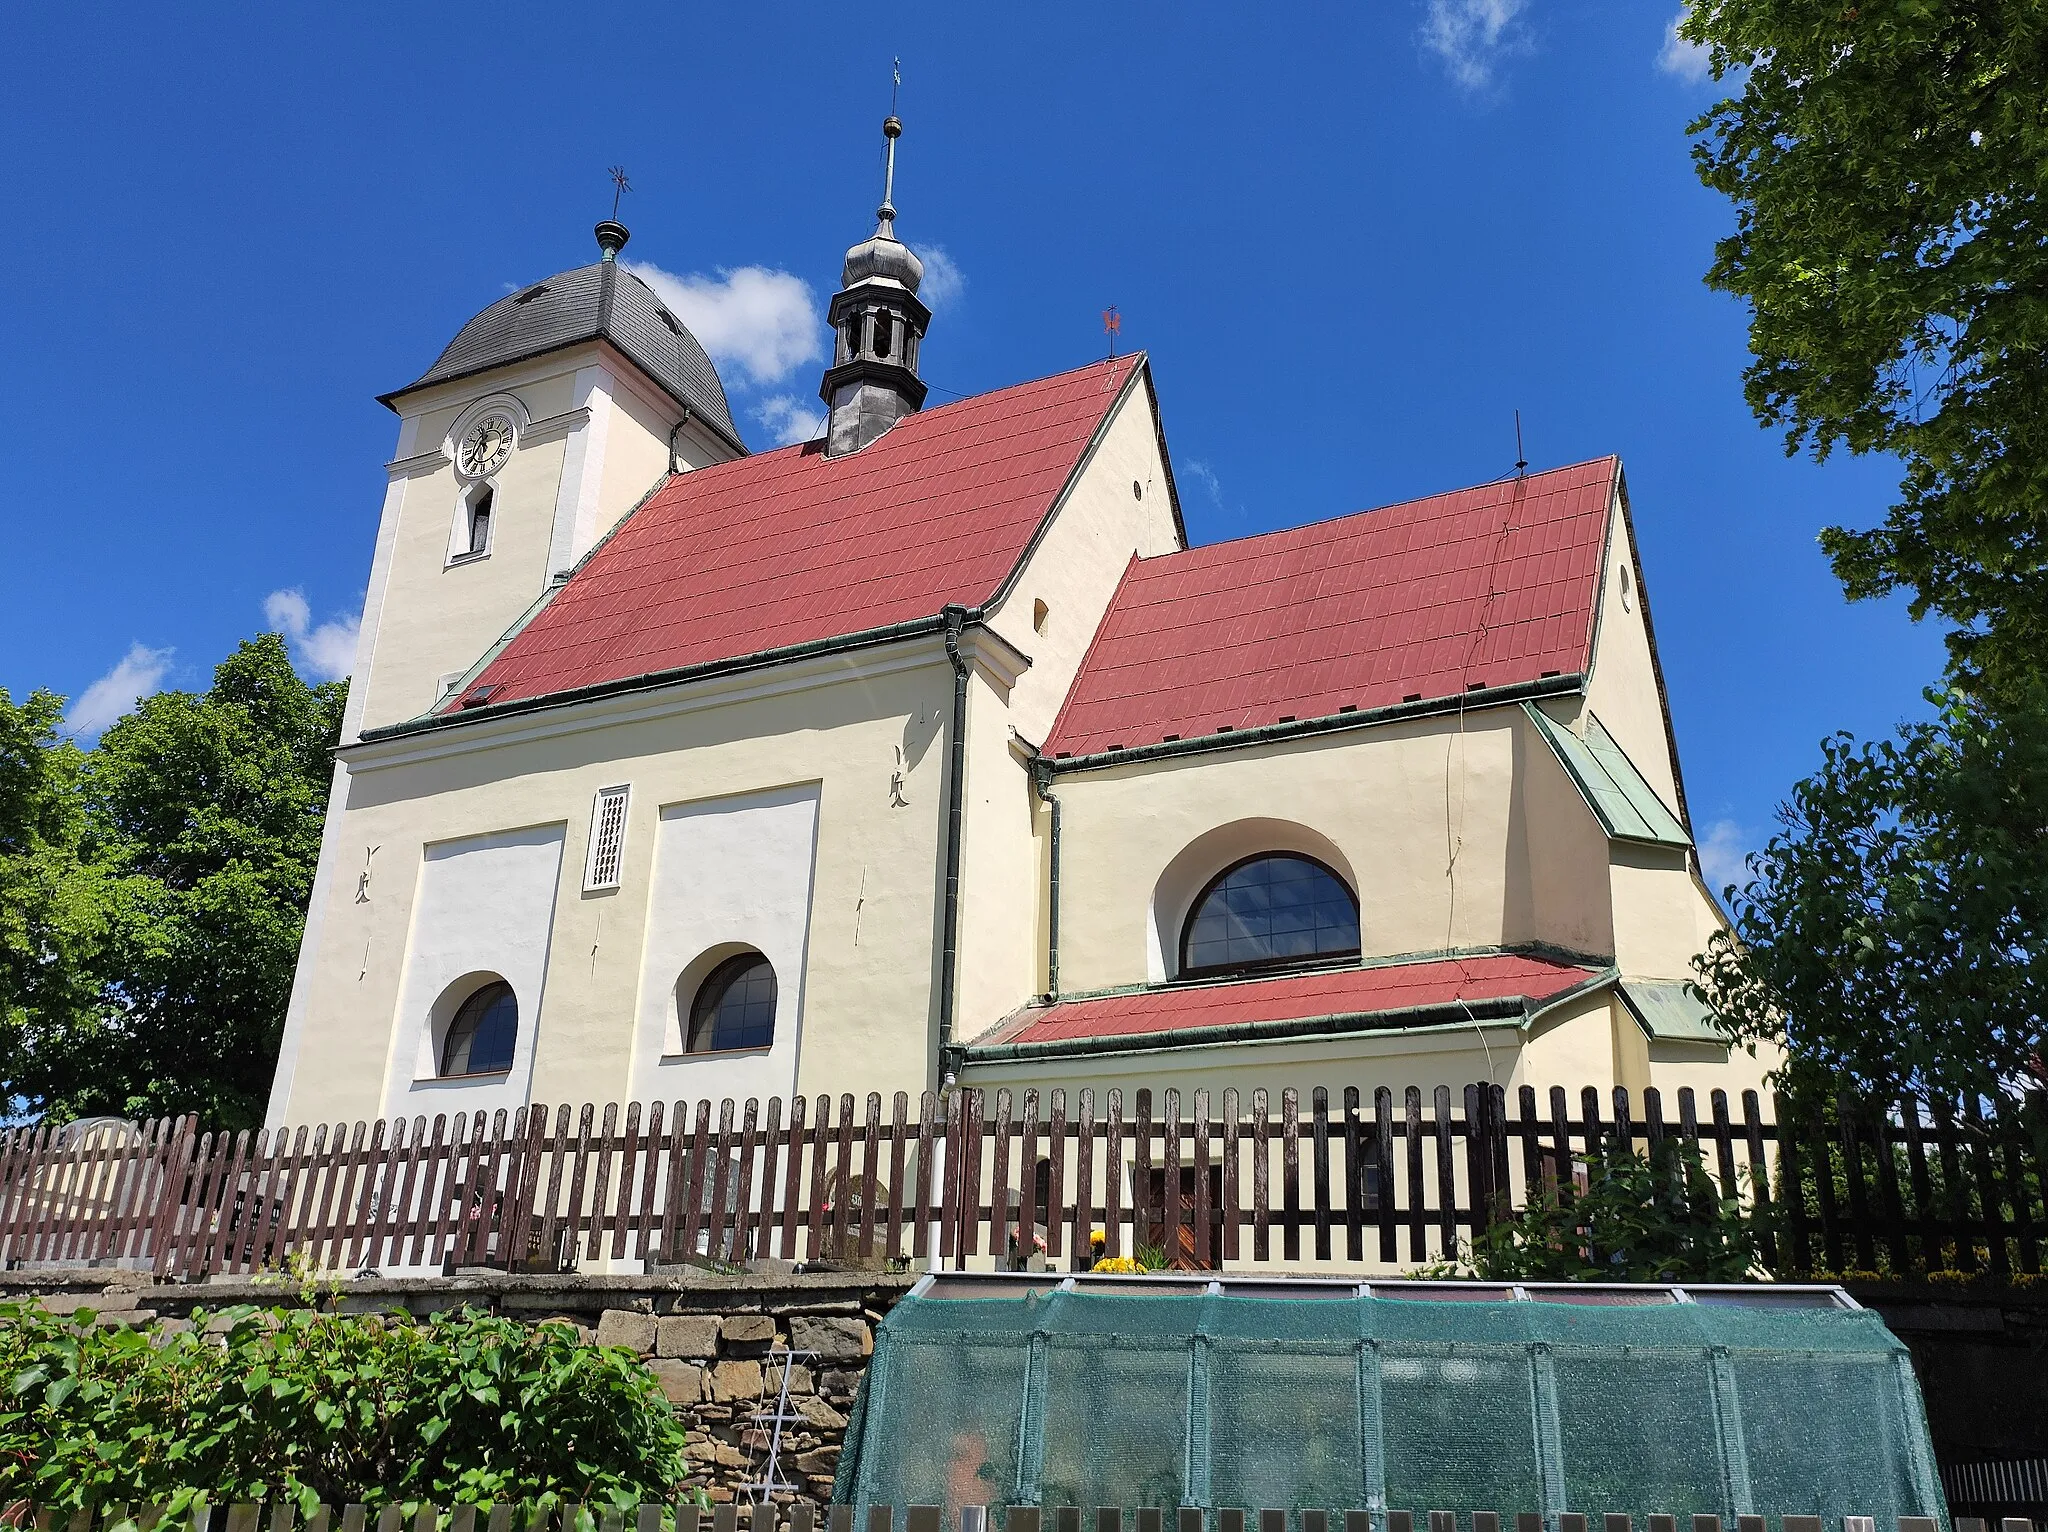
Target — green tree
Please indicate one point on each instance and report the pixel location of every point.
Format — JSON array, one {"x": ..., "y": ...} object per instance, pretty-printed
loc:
[
  {"x": 198, "y": 822},
  {"x": 1894, "y": 934},
  {"x": 49, "y": 909},
  {"x": 1887, "y": 161}
]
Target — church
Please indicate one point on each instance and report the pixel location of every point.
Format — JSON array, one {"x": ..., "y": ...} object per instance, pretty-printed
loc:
[{"x": 929, "y": 753}]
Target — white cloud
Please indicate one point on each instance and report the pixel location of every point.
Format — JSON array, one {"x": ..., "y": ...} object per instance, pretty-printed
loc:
[
  {"x": 789, "y": 419},
  {"x": 326, "y": 653},
  {"x": 1721, "y": 854},
  {"x": 140, "y": 672},
  {"x": 1204, "y": 475},
  {"x": 1471, "y": 36},
  {"x": 765, "y": 322},
  {"x": 1688, "y": 61},
  {"x": 944, "y": 281}
]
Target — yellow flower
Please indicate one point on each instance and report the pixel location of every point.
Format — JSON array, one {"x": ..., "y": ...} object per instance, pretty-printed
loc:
[{"x": 1118, "y": 1266}]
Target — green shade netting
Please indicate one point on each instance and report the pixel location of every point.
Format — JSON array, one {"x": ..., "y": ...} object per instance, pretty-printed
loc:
[{"x": 1345, "y": 1402}]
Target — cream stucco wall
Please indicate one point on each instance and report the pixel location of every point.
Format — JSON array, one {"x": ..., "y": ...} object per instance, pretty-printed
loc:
[
  {"x": 839, "y": 725},
  {"x": 1621, "y": 689},
  {"x": 1082, "y": 553},
  {"x": 1420, "y": 810}
]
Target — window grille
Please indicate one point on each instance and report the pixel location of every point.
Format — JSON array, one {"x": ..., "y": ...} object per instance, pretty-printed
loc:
[{"x": 607, "y": 838}]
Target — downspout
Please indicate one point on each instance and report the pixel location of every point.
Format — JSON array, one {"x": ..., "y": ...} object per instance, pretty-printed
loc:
[
  {"x": 673, "y": 432},
  {"x": 1041, "y": 781},
  {"x": 956, "y": 775}
]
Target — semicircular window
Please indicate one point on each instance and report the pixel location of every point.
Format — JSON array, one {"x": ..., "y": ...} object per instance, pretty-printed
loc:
[
  {"x": 1272, "y": 911},
  {"x": 735, "y": 1006},
  {"x": 481, "y": 1037}
]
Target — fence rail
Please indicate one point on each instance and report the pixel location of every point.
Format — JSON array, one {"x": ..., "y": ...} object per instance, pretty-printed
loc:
[
  {"x": 1240, "y": 1181},
  {"x": 802, "y": 1516}
]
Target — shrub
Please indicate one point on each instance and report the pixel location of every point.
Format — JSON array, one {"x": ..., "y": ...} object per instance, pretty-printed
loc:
[
  {"x": 290, "y": 1403},
  {"x": 1654, "y": 1218}
]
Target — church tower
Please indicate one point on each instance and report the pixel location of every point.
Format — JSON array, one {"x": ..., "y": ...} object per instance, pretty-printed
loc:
[{"x": 878, "y": 324}]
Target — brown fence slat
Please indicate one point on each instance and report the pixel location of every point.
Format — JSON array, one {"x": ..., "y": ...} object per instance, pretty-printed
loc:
[
  {"x": 930, "y": 1134},
  {"x": 1206, "y": 1255},
  {"x": 1113, "y": 1174},
  {"x": 1230, "y": 1150},
  {"x": 1411, "y": 1123},
  {"x": 1446, "y": 1176},
  {"x": 1290, "y": 1174},
  {"x": 1319, "y": 1184},
  {"x": 1055, "y": 1175},
  {"x": 1027, "y": 1178},
  {"x": 1262, "y": 1171},
  {"x": 1383, "y": 1151},
  {"x": 1083, "y": 1229},
  {"x": 1170, "y": 1204}
]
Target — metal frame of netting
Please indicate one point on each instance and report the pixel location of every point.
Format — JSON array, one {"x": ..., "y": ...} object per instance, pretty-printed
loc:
[{"x": 1154, "y": 1392}]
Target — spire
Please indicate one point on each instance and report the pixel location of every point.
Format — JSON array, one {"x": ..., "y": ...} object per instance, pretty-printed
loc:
[{"x": 878, "y": 325}]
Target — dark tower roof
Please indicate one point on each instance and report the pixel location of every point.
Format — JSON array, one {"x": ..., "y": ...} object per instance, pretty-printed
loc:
[{"x": 599, "y": 301}]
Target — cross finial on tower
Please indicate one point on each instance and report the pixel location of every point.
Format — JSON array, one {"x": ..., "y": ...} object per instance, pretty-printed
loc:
[{"x": 611, "y": 234}]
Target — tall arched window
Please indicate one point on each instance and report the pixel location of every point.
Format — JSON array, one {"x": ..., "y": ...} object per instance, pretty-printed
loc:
[
  {"x": 1269, "y": 911},
  {"x": 480, "y": 520},
  {"x": 481, "y": 1037},
  {"x": 735, "y": 1006}
]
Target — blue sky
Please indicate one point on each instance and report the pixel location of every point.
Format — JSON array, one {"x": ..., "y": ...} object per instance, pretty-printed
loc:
[{"x": 1355, "y": 239}]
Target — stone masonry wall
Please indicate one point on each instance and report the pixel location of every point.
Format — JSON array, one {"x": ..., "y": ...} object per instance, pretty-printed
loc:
[{"x": 717, "y": 1344}]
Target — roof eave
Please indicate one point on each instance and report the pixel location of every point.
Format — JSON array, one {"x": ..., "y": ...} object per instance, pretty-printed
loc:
[
  {"x": 596, "y": 337},
  {"x": 1333, "y": 723}
]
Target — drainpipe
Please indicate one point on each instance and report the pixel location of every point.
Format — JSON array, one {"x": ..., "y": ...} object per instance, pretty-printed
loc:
[
  {"x": 675, "y": 431},
  {"x": 956, "y": 774},
  {"x": 1041, "y": 781}
]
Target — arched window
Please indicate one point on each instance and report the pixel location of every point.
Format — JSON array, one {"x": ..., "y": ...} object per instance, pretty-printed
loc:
[
  {"x": 884, "y": 335},
  {"x": 481, "y": 1036},
  {"x": 1270, "y": 911},
  {"x": 480, "y": 521},
  {"x": 735, "y": 1006}
]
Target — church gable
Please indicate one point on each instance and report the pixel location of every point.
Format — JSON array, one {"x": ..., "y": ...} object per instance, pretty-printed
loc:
[{"x": 800, "y": 548}]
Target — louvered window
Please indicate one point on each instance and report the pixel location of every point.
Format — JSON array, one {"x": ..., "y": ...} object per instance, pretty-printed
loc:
[{"x": 607, "y": 838}]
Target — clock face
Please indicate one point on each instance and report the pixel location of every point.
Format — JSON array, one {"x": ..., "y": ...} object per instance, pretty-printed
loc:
[{"x": 485, "y": 446}]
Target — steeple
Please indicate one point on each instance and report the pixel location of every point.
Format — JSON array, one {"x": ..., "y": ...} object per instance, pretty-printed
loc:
[{"x": 878, "y": 326}]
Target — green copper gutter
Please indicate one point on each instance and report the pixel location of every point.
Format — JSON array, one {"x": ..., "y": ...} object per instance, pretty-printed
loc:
[{"x": 1237, "y": 739}]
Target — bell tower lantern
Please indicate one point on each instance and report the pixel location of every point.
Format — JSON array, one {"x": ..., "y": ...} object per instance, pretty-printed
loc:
[{"x": 878, "y": 324}]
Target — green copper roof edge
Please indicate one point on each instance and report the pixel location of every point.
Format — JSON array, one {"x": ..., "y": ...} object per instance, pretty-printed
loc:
[
  {"x": 1550, "y": 730},
  {"x": 1405, "y": 1019},
  {"x": 1634, "y": 1006},
  {"x": 865, "y": 639},
  {"x": 1396, "y": 712},
  {"x": 1645, "y": 800}
]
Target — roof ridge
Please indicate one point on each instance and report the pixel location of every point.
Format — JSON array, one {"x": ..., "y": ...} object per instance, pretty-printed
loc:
[{"x": 1300, "y": 528}]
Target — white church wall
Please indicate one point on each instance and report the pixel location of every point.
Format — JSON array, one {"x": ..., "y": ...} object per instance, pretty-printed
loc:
[
  {"x": 847, "y": 724},
  {"x": 1082, "y": 555},
  {"x": 1622, "y": 688},
  {"x": 1559, "y": 892},
  {"x": 998, "y": 967},
  {"x": 1394, "y": 799},
  {"x": 484, "y": 909},
  {"x": 730, "y": 875}
]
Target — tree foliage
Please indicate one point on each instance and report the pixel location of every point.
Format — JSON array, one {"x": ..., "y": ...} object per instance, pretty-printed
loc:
[
  {"x": 1887, "y": 160},
  {"x": 155, "y": 892},
  {"x": 1655, "y": 1217},
  {"x": 290, "y": 1403},
  {"x": 1894, "y": 935}
]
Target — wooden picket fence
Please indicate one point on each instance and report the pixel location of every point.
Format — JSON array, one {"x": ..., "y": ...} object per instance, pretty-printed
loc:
[
  {"x": 1010, "y": 1181},
  {"x": 802, "y": 1516}
]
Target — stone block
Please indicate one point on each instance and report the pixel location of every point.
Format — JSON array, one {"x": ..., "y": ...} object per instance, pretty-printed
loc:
[
  {"x": 833, "y": 1339},
  {"x": 681, "y": 1382},
  {"x": 844, "y": 1382},
  {"x": 747, "y": 1327},
  {"x": 800, "y": 1381},
  {"x": 625, "y": 1327},
  {"x": 820, "y": 1414},
  {"x": 820, "y": 1462},
  {"x": 686, "y": 1335},
  {"x": 736, "y": 1380}
]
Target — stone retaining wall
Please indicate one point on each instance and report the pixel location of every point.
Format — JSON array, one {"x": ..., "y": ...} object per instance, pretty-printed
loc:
[{"x": 718, "y": 1344}]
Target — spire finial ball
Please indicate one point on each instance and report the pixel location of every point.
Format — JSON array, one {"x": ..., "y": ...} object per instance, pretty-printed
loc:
[{"x": 892, "y": 126}]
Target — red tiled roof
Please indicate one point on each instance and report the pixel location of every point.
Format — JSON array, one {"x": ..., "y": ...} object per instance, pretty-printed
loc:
[
  {"x": 1348, "y": 991},
  {"x": 1485, "y": 586},
  {"x": 791, "y": 546}
]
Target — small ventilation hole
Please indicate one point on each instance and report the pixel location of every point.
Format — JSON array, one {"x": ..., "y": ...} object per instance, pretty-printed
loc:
[
  {"x": 670, "y": 320},
  {"x": 531, "y": 293},
  {"x": 1039, "y": 613}
]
